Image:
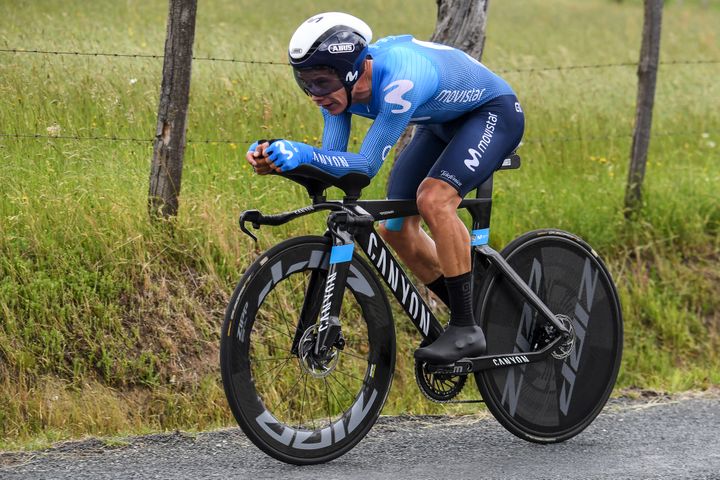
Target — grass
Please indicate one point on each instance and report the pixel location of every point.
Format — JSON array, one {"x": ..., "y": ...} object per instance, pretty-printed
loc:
[{"x": 109, "y": 324}]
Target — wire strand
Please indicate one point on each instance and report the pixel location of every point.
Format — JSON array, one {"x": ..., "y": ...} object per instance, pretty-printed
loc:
[
  {"x": 269, "y": 62},
  {"x": 39, "y": 136},
  {"x": 556, "y": 139},
  {"x": 136, "y": 55}
]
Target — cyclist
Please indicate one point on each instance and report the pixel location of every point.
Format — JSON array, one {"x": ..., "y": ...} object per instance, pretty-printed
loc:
[{"x": 468, "y": 120}]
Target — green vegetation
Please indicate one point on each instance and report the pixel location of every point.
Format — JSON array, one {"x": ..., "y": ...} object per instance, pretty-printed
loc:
[{"x": 109, "y": 324}]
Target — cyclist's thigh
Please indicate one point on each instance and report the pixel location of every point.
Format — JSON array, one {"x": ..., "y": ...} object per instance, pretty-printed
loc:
[
  {"x": 480, "y": 144},
  {"x": 413, "y": 164}
]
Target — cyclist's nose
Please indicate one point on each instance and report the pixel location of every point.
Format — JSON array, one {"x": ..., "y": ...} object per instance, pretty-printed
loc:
[{"x": 320, "y": 101}]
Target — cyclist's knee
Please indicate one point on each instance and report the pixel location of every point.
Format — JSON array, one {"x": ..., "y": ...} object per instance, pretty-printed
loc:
[{"x": 436, "y": 198}]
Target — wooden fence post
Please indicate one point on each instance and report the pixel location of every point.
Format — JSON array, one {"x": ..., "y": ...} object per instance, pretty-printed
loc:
[
  {"x": 647, "y": 77},
  {"x": 461, "y": 24},
  {"x": 169, "y": 146}
]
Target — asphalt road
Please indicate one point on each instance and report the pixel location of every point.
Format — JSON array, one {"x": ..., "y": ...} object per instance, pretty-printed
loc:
[{"x": 661, "y": 437}]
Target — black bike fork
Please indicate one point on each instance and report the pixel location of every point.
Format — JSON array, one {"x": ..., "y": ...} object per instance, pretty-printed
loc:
[
  {"x": 311, "y": 306},
  {"x": 341, "y": 252}
]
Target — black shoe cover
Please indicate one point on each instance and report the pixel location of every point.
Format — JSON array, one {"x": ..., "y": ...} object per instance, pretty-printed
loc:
[{"x": 455, "y": 343}]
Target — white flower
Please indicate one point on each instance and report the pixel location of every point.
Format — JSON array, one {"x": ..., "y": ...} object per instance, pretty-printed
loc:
[
  {"x": 705, "y": 135},
  {"x": 54, "y": 130},
  {"x": 133, "y": 81},
  {"x": 711, "y": 144}
]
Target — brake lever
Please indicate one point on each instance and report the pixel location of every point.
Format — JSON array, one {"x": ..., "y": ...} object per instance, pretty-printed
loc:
[{"x": 252, "y": 216}]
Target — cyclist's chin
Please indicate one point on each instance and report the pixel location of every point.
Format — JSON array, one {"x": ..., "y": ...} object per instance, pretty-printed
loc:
[{"x": 334, "y": 108}]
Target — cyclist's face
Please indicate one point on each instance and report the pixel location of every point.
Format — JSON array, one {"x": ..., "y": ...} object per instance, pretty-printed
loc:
[
  {"x": 324, "y": 87},
  {"x": 334, "y": 102}
]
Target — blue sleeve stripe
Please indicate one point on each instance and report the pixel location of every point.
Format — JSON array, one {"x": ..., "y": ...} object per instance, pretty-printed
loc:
[
  {"x": 341, "y": 253},
  {"x": 480, "y": 237}
]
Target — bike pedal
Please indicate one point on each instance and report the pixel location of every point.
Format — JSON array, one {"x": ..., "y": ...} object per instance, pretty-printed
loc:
[{"x": 461, "y": 367}]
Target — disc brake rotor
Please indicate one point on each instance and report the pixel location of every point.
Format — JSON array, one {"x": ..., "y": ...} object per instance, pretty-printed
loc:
[
  {"x": 565, "y": 348},
  {"x": 312, "y": 364}
]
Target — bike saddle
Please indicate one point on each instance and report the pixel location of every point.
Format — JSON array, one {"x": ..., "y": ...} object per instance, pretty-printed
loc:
[
  {"x": 316, "y": 181},
  {"x": 511, "y": 162}
]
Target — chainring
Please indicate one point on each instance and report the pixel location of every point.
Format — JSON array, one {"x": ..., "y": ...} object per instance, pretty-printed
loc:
[{"x": 438, "y": 387}]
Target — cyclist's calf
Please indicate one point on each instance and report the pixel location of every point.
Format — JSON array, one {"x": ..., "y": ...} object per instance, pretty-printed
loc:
[
  {"x": 437, "y": 203},
  {"x": 414, "y": 247}
]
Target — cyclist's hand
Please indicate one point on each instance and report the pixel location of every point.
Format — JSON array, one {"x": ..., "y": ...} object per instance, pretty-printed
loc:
[
  {"x": 286, "y": 155},
  {"x": 257, "y": 158}
]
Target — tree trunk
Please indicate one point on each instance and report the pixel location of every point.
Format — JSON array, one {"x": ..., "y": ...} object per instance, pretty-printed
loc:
[
  {"x": 460, "y": 24},
  {"x": 647, "y": 77},
  {"x": 169, "y": 147}
]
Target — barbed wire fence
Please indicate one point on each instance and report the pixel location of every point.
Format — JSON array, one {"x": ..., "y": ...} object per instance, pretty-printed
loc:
[
  {"x": 526, "y": 70},
  {"x": 550, "y": 139},
  {"x": 285, "y": 64}
]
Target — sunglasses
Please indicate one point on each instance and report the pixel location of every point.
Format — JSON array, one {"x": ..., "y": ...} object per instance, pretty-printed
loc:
[{"x": 318, "y": 81}]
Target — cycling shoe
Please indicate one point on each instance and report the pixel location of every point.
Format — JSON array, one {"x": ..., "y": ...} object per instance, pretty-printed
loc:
[{"x": 455, "y": 343}]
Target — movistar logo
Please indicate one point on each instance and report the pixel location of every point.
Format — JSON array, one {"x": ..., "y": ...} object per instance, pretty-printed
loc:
[
  {"x": 351, "y": 76},
  {"x": 397, "y": 89},
  {"x": 475, "y": 155},
  {"x": 283, "y": 149},
  {"x": 341, "y": 48},
  {"x": 460, "y": 96}
]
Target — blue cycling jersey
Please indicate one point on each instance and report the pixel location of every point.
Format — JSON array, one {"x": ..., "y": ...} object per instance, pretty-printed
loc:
[{"x": 412, "y": 82}]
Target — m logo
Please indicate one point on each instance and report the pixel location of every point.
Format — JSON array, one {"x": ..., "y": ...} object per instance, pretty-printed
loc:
[
  {"x": 283, "y": 149},
  {"x": 398, "y": 88},
  {"x": 341, "y": 48},
  {"x": 351, "y": 76},
  {"x": 473, "y": 162}
]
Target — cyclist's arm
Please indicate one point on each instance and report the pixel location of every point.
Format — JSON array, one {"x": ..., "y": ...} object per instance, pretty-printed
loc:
[
  {"x": 407, "y": 81},
  {"x": 382, "y": 135},
  {"x": 407, "y": 85},
  {"x": 336, "y": 132}
]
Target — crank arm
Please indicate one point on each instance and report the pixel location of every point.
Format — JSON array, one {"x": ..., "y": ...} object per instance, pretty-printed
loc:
[{"x": 466, "y": 366}]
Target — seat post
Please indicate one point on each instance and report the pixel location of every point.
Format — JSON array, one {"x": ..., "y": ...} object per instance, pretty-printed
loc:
[
  {"x": 481, "y": 218},
  {"x": 480, "y": 234}
]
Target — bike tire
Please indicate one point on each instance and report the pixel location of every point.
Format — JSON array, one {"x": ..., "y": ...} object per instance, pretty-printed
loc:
[
  {"x": 283, "y": 409},
  {"x": 555, "y": 399}
]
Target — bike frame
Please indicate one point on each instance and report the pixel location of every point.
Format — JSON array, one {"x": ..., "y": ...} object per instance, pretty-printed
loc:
[{"x": 351, "y": 222}]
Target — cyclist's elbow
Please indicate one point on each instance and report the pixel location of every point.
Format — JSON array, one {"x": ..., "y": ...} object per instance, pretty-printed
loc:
[{"x": 373, "y": 168}]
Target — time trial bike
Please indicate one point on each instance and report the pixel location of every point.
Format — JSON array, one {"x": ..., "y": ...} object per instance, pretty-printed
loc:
[{"x": 308, "y": 342}]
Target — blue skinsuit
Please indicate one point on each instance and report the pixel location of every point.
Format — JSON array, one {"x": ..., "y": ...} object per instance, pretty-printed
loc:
[{"x": 427, "y": 84}]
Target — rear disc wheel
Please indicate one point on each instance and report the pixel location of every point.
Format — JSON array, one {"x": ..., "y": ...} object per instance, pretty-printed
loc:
[{"x": 554, "y": 399}]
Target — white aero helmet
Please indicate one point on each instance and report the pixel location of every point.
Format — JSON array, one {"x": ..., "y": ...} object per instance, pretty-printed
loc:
[{"x": 327, "y": 52}]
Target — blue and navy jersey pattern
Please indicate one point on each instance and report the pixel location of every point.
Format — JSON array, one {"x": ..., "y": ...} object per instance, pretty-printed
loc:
[{"x": 412, "y": 82}]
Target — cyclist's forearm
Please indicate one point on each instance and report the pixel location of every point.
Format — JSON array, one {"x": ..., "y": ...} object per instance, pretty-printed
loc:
[
  {"x": 340, "y": 163},
  {"x": 287, "y": 155},
  {"x": 336, "y": 132}
]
